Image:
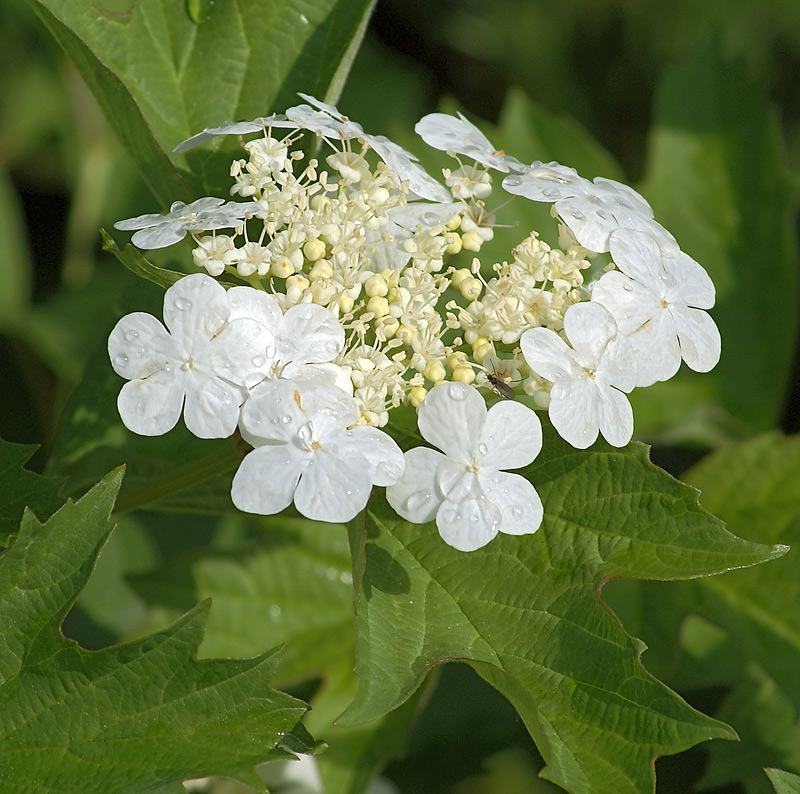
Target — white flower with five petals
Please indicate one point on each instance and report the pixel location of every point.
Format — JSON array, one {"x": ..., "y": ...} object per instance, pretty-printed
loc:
[
  {"x": 304, "y": 452},
  {"x": 591, "y": 210},
  {"x": 657, "y": 301},
  {"x": 464, "y": 489},
  {"x": 200, "y": 366},
  {"x": 588, "y": 378}
]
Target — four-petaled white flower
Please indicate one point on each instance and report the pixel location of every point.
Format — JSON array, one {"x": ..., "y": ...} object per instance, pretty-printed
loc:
[
  {"x": 450, "y": 134},
  {"x": 305, "y": 453},
  {"x": 591, "y": 210},
  {"x": 657, "y": 301},
  {"x": 588, "y": 378},
  {"x": 199, "y": 366},
  {"x": 464, "y": 489},
  {"x": 205, "y": 214}
]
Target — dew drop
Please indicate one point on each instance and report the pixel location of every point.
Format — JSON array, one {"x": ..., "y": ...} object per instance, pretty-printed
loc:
[
  {"x": 275, "y": 612},
  {"x": 131, "y": 336},
  {"x": 259, "y": 361},
  {"x": 389, "y": 471},
  {"x": 346, "y": 577},
  {"x": 417, "y": 500},
  {"x": 482, "y": 449},
  {"x": 140, "y": 408},
  {"x": 551, "y": 193},
  {"x": 183, "y": 304},
  {"x": 627, "y": 287},
  {"x": 517, "y": 512},
  {"x": 458, "y": 391},
  {"x": 286, "y": 419},
  {"x": 600, "y": 214},
  {"x": 578, "y": 215},
  {"x": 121, "y": 361},
  {"x": 306, "y": 431},
  {"x": 512, "y": 181},
  {"x": 271, "y": 351},
  {"x": 429, "y": 218}
]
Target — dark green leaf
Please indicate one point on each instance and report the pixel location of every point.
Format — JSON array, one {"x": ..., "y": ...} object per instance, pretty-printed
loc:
[
  {"x": 20, "y": 488},
  {"x": 525, "y": 612},
  {"x": 141, "y": 716},
  {"x": 133, "y": 259}
]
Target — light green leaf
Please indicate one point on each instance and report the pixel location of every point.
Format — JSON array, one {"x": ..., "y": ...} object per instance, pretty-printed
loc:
[
  {"x": 293, "y": 586},
  {"x": 784, "y": 782},
  {"x": 525, "y": 612},
  {"x": 160, "y": 76},
  {"x": 717, "y": 178},
  {"x": 135, "y": 261},
  {"x": 20, "y": 489},
  {"x": 143, "y": 715}
]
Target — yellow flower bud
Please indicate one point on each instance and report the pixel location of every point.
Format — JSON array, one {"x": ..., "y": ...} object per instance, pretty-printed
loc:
[
  {"x": 378, "y": 306},
  {"x": 459, "y": 276},
  {"x": 453, "y": 243},
  {"x": 454, "y": 359},
  {"x": 471, "y": 241},
  {"x": 376, "y": 286},
  {"x": 314, "y": 249},
  {"x": 345, "y": 302},
  {"x": 454, "y": 224},
  {"x": 480, "y": 351},
  {"x": 282, "y": 267},
  {"x": 464, "y": 373},
  {"x": 417, "y": 396},
  {"x": 434, "y": 371},
  {"x": 471, "y": 289},
  {"x": 321, "y": 269}
]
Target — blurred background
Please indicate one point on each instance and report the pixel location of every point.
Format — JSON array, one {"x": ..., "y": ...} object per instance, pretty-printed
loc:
[{"x": 695, "y": 104}]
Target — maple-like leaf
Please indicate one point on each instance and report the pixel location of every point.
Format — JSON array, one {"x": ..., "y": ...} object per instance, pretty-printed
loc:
[{"x": 140, "y": 716}]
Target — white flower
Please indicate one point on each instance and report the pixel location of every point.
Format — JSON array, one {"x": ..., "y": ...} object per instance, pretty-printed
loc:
[
  {"x": 591, "y": 210},
  {"x": 159, "y": 231},
  {"x": 587, "y": 378},
  {"x": 450, "y": 134},
  {"x": 305, "y": 453},
  {"x": 301, "y": 343},
  {"x": 464, "y": 489},
  {"x": 657, "y": 302},
  {"x": 199, "y": 366}
]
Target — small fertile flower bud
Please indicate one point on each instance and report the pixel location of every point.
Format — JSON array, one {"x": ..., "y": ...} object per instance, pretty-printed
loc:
[
  {"x": 434, "y": 371},
  {"x": 464, "y": 373},
  {"x": 417, "y": 396},
  {"x": 314, "y": 249}
]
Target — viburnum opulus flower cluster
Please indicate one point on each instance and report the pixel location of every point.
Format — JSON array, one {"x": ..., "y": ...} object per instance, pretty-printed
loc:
[{"x": 350, "y": 287}]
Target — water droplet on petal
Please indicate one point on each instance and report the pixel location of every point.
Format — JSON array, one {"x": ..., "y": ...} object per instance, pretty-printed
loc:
[
  {"x": 551, "y": 193},
  {"x": 120, "y": 361},
  {"x": 512, "y": 181},
  {"x": 140, "y": 408},
  {"x": 331, "y": 348},
  {"x": 259, "y": 361},
  {"x": 271, "y": 351},
  {"x": 429, "y": 218},
  {"x": 286, "y": 419},
  {"x": 417, "y": 500},
  {"x": 482, "y": 449},
  {"x": 131, "y": 336},
  {"x": 389, "y": 470},
  {"x": 517, "y": 512},
  {"x": 458, "y": 391},
  {"x": 306, "y": 431},
  {"x": 183, "y": 304},
  {"x": 600, "y": 214},
  {"x": 578, "y": 215}
]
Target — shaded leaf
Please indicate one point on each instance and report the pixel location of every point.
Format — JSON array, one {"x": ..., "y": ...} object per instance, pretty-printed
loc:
[
  {"x": 525, "y": 612},
  {"x": 135, "y": 261},
  {"x": 99, "y": 722},
  {"x": 784, "y": 782},
  {"x": 20, "y": 488}
]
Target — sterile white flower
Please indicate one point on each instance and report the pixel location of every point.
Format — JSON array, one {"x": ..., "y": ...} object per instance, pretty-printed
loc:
[
  {"x": 591, "y": 210},
  {"x": 200, "y": 365},
  {"x": 450, "y": 134},
  {"x": 657, "y": 301},
  {"x": 588, "y": 378},
  {"x": 232, "y": 128},
  {"x": 205, "y": 214},
  {"x": 464, "y": 489},
  {"x": 306, "y": 454}
]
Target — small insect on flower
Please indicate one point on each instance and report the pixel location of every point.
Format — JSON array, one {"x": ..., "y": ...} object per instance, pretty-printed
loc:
[{"x": 498, "y": 373}]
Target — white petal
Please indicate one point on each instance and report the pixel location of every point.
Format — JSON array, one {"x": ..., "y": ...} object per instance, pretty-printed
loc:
[
  {"x": 451, "y": 418},
  {"x": 574, "y": 411},
  {"x": 457, "y": 481},
  {"x": 638, "y": 255},
  {"x": 630, "y": 302},
  {"x": 618, "y": 364},
  {"x": 238, "y": 355},
  {"x": 691, "y": 285},
  {"x": 589, "y": 327},
  {"x": 469, "y": 525},
  {"x": 377, "y": 450},
  {"x": 212, "y": 408},
  {"x": 165, "y": 234},
  {"x": 266, "y": 479},
  {"x": 519, "y": 504},
  {"x": 420, "y": 182},
  {"x": 328, "y": 373},
  {"x": 310, "y": 334},
  {"x": 656, "y": 346},
  {"x": 332, "y": 489},
  {"x": 512, "y": 436},
  {"x": 139, "y": 346},
  {"x": 590, "y": 220},
  {"x": 620, "y": 196},
  {"x": 616, "y": 416},
  {"x": 547, "y": 182},
  {"x": 195, "y": 309},
  {"x": 548, "y": 355},
  {"x": 415, "y": 496},
  {"x": 153, "y": 406},
  {"x": 140, "y": 222},
  {"x": 699, "y": 338},
  {"x": 256, "y": 305}
]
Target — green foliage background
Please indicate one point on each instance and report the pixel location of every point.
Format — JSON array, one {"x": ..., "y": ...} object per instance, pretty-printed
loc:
[{"x": 696, "y": 105}]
